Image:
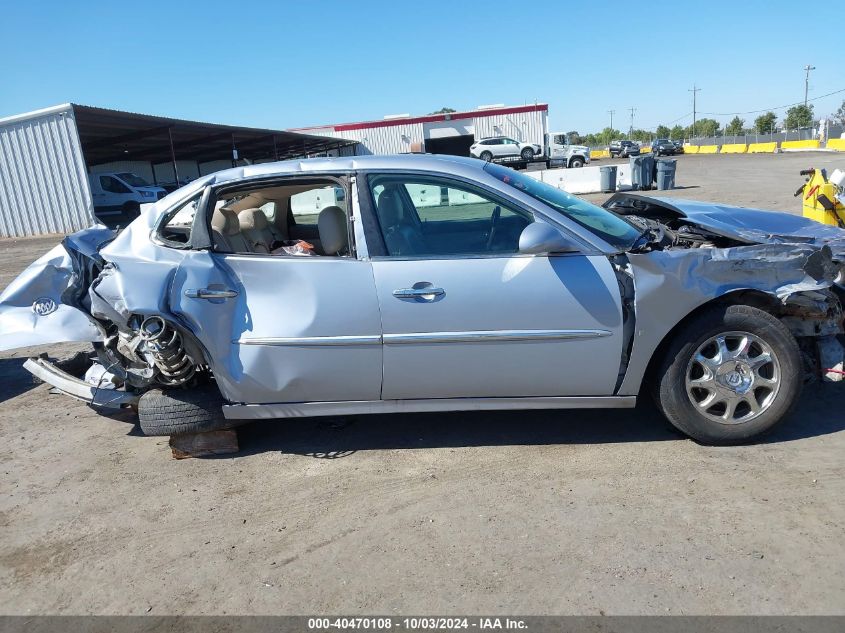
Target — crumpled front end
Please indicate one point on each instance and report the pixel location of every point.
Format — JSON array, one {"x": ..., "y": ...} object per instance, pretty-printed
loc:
[
  {"x": 676, "y": 270},
  {"x": 46, "y": 304}
]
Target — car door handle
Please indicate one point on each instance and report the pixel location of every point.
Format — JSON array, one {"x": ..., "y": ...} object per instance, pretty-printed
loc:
[
  {"x": 414, "y": 293},
  {"x": 208, "y": 293}
]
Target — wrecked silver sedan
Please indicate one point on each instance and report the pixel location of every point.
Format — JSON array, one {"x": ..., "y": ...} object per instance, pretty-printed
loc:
[{"x": 420, "y": 283}]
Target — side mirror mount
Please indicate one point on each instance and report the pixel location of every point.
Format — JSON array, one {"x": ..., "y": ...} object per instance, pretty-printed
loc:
[{"x": 540, "y": 238}]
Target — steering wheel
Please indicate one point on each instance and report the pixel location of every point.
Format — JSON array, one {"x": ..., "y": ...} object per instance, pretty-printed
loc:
[{"x": 494, "y": 220}]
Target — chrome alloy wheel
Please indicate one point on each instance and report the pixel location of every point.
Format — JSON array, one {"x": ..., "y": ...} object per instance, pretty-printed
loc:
[{"x": 733, "y": 377}]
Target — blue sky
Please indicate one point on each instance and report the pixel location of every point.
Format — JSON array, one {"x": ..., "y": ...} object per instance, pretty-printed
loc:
[{"x": 297, "y": 63}]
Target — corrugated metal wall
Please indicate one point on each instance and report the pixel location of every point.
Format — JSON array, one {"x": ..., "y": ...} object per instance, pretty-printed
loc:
[
  {"x": 392, "y": 139},
  {"x": 526, "y": 127},
  {"x": 43, "y": 182}
]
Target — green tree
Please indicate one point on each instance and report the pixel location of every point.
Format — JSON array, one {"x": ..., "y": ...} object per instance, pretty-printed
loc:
[
  {"x": 765, "y": 123},
  {"x": 663, "y": 132},
  {"x": 604, "y": 137},
  {"x": 799, "y": 116},
  {"x": 677, "y": 133},
  {"x": 443, "y": 111},
  {"x": 839, "y": 115},
  {"x": 705, "y": 127},
  {"x": 735, "y": 127}
]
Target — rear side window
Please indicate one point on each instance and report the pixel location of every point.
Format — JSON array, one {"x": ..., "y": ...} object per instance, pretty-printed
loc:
[
  {"x": 176, "y": 229},
  {"x": 305, "y": 207}
]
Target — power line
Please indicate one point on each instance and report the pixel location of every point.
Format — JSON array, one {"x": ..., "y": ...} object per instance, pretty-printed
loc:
[{"x": 788, "y": 105}]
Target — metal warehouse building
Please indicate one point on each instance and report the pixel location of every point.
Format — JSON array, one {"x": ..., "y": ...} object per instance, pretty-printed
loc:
[
  {"x": 46, "y": 156},
  {"x": 450, "y": 133}
]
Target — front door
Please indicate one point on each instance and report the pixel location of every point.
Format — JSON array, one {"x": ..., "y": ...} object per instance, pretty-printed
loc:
[{"x": 464, "y": 315}]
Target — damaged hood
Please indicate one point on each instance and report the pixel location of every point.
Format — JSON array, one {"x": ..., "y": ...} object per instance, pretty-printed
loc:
[
  {"x": 740, "y": 223},
  {"x": 45, "y": 304}
]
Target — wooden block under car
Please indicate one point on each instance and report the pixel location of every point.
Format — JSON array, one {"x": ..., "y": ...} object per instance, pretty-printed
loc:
[{"x": 223, "y": 442}]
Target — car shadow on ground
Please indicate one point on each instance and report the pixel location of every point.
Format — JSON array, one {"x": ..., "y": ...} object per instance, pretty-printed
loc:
[
  {"x": 331, "y": 438},
  {"x": 14, "y": 379}
]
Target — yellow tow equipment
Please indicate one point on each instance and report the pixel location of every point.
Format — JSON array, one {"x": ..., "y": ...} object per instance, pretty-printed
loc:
[{"x": 820, "y": 198}]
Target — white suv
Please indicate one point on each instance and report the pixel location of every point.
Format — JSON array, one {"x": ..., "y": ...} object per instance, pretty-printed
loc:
[{"x": 503, "y": 147}]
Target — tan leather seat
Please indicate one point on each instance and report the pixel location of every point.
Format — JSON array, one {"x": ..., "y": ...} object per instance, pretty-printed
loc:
[
  {"x": 334, "y": 231},
  {"x": 256, "y": 230},
  {"x": 226, "y": 231}
]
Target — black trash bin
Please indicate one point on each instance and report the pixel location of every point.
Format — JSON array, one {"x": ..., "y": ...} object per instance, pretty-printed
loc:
[
  {"x": 642, "y": 167},
  {"x": 666, "y": 173},
  {"x": 608, "y": 178}
]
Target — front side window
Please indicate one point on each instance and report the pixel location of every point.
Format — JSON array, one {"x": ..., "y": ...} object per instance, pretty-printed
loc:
[
  {"x": 422, "y": 216},
  {"x": 133, "y": 180},
  {"x": 113, "y": 185},
  {"x": 601, "y": 222}
]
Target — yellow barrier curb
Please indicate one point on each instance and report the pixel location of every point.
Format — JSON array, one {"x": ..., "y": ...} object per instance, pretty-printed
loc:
[
  {"x": 836, "y": 143},
  {"x": 690, "y": 149},
  {"x": 645, "y": 150},
  {"x": 800, "y": 145},
  {"x": 734, "y": 148},
  {"x": 599, "y": 153},
  {"x": 708, "y": 149},
  {"x": 762, "y": 148}
]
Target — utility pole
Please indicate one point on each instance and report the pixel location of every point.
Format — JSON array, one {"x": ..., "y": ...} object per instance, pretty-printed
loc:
[
  {"x": 611, "y": 113},
  {"x": 694, "y": 90},
  {"x": 807, "y": 68},
  {"x": 631, "y": 131}
]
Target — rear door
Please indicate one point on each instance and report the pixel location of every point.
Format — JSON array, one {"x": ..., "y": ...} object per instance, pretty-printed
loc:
[
  {"x": 465, "y": 315},
  {"x": 283, "y": 328}
]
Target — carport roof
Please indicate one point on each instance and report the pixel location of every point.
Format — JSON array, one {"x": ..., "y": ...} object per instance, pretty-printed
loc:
[{"x": 113, "y": 135}]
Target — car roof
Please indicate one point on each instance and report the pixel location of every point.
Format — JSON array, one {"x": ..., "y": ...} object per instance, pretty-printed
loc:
[{"x": 458, "y": 165}]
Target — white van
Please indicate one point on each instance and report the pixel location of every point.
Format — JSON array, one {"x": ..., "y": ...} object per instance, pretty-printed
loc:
[{"x": 121, "y": 192}]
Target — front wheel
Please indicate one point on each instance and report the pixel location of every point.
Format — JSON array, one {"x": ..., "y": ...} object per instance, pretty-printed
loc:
[
  {"x": 486, "y": 156},
  {"x": 576, "y": 162},
  {"x": 527, "y": 154},
  {"x": 730, "y": 375}
]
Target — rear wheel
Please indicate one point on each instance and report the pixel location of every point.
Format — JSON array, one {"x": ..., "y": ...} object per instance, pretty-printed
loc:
[
  {"x": 731, "y": 374},
  {"x": 486, "y": 156}
]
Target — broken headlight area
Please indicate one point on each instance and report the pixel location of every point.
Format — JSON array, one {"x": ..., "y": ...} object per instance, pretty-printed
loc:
[{"x": 151, "y": 352}]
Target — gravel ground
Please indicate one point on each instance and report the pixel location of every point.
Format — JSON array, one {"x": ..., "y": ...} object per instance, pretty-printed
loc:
[{"x": 580, "y": 512}]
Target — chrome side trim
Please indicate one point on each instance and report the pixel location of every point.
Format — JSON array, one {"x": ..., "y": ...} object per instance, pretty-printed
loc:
[
  {"x": 485, "y": 336},
  {"x": 309, "y": 341},
  {"x": 365, "y": 407},
  {"x": 76, "y": 388}
]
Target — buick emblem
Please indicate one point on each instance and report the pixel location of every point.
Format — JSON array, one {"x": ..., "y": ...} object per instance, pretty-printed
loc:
[{"x": 44, "y": 306}]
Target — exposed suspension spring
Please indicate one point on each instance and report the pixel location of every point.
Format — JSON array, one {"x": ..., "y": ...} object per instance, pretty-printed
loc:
[{"x": 164, "y": 345}]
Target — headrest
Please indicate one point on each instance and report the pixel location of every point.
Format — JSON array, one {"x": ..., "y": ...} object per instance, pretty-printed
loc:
[
  {"x": 334, "y": 235},
  {"x": 225, "y": 221},
  {"x": 252, "y": 219},
  {"x": 389, "y": 209}
]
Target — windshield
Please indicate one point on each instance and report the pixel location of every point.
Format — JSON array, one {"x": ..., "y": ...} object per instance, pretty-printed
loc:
[
  {"x": 608, "y": 226},
  {"x": 662, "y": 141},
  {"x": 133, "y": 180}
]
